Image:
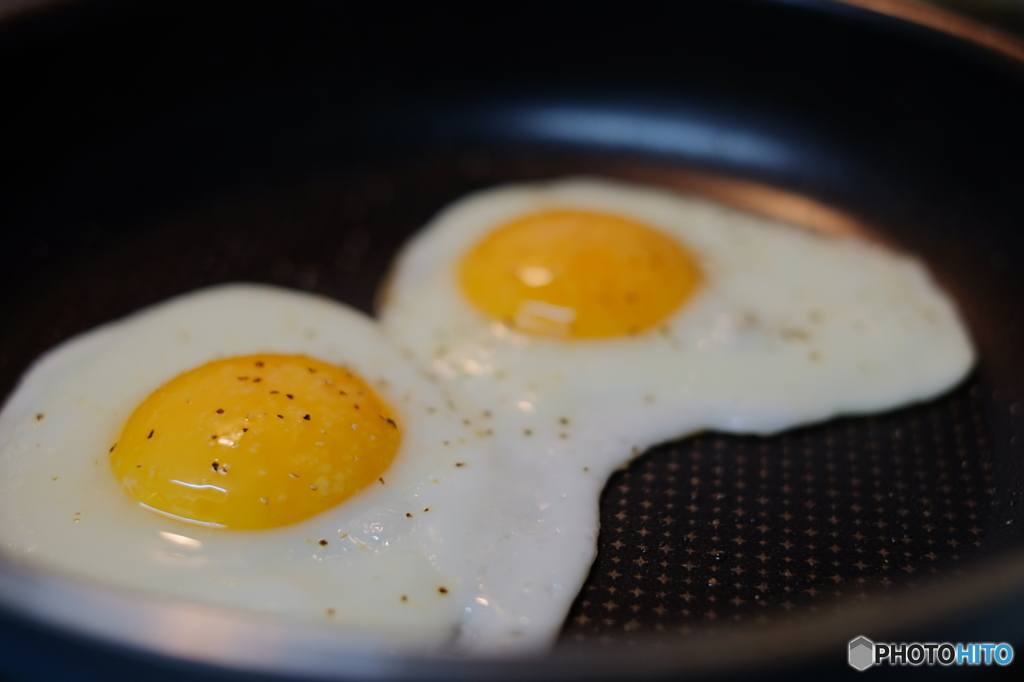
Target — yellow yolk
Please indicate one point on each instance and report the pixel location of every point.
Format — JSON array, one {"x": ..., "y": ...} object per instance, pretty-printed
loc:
[
  {"x": 578, "y": 274},
  {"x": 255, "y": 442}
]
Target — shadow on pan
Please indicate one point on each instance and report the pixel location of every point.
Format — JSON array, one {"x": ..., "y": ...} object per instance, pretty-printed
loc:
[{"x": 155, "y": 149}]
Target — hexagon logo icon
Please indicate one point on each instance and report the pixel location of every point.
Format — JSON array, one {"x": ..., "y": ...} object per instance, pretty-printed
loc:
[{"x": 862, "y": 653}]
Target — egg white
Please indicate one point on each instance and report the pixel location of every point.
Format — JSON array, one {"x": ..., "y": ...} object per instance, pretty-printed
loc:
[
  {"x": 789, "y": 328},
  {"x": 508, "y": 438},
  {"x": 62, "y": 510}
]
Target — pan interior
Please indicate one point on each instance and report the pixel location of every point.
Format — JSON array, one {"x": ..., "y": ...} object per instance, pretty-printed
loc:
[{"x": 716, "y": 528}]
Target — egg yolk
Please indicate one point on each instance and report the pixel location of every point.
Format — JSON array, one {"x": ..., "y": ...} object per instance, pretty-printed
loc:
[
  {"x": 578, "y": 274},
  {"x": 255, "y": 442}
]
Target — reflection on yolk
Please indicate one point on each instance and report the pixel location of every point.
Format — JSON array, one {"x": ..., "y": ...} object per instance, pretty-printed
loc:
[
  {"x": 255, "y": 442},
  {"x": 578, "y": 274}
]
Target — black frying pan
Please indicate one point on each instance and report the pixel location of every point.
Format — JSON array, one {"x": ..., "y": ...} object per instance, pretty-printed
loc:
[{"x": 153, "y": 149}]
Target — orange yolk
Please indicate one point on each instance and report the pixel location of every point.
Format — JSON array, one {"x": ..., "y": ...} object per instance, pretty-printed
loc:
[
  {"x": 255, "y": 442},
  {"x": 578, "y": 274}
]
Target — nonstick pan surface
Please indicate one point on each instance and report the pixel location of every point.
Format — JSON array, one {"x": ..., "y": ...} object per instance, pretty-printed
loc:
[{"x": 155, "y": 150}]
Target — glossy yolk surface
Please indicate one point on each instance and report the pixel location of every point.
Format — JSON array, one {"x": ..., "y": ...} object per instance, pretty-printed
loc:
[
  {"x": 255, "y": 442},
  {"x": 578, "y": 274}
]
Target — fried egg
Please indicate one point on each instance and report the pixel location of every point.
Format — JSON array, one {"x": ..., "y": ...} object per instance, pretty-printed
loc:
[
  {"x": 587, "y": 320},
  {"x": 431, "y": 483},
  {"x": 252, "y": 448}
]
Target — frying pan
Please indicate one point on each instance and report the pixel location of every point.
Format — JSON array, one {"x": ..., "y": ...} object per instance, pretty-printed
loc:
[{"x": 151, "y": 149}]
